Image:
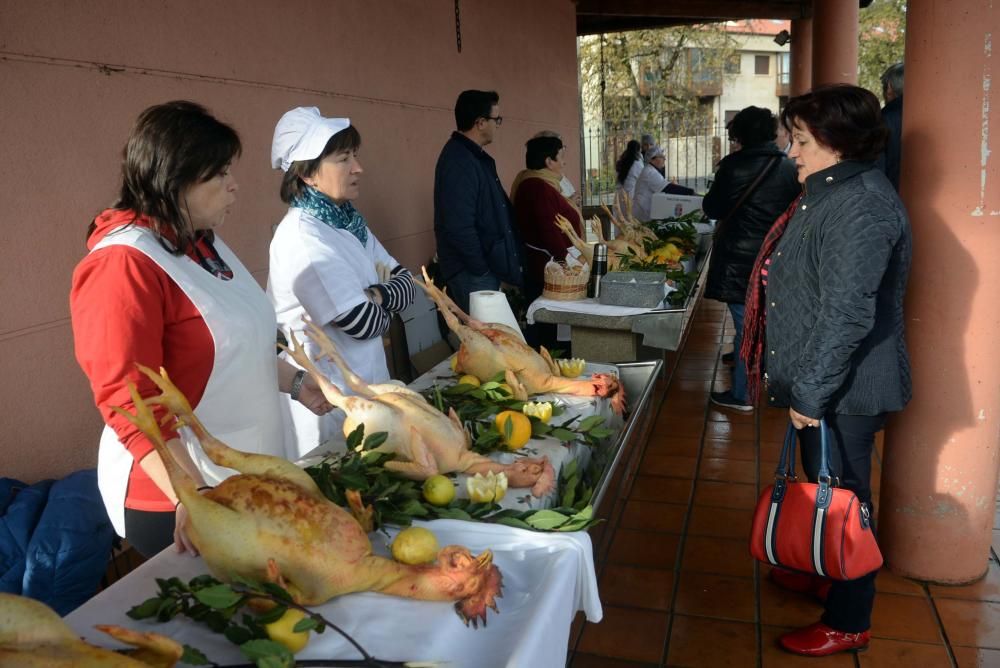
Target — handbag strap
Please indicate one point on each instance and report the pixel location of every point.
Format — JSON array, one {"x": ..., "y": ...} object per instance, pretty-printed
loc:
[
  {"x": 746, "y": 193},
  {"x": 786, "y": 463}
]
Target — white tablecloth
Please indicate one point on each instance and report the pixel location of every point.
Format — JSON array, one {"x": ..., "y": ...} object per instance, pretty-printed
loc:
[{"x": 547, "y": 578}]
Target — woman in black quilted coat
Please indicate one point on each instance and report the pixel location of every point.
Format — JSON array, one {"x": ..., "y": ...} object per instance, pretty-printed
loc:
[
  {"x": 740, "y": 236},
  {"x": 832, "y": 300}
]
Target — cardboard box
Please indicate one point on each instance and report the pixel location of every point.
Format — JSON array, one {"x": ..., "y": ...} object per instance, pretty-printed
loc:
[{"x": 665, "y": 207}]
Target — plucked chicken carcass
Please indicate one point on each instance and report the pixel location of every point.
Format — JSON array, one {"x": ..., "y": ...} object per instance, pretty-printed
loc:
[
  {"x": 425, "y": 440},
  {"x": 616, "y": 247},
  {"x": 271, "y": 523},
  {"x": 630, "y": 229},
  {"x": 32, "y": 634},
  {"x": 491, "y": 348}
]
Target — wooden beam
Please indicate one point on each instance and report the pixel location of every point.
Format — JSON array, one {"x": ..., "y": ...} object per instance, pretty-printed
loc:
[{"x": 707, "y": 10}]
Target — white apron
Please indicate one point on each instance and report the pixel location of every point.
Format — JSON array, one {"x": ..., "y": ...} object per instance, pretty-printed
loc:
[
  {"x": 344, "y": 258},
  {"x": 240, "y": 402}
]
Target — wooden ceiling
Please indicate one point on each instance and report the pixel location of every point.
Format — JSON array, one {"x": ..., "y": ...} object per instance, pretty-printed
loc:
[{"x": 597, "y": 16}]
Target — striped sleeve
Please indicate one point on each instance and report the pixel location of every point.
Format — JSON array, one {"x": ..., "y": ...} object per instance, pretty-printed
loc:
[
  {"x": 397, "y": 294},
  {"x": 365, "y": 321}
]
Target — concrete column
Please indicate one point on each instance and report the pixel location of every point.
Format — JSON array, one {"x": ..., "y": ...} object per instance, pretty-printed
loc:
[
  {"x": 835, "y": 42},
  {"x": 801, "y": 56},
  {"x": 939, "y": 477}
]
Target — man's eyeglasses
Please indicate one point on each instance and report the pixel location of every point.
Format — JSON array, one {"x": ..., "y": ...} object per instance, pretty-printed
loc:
[{"x": 498, "y": 119}]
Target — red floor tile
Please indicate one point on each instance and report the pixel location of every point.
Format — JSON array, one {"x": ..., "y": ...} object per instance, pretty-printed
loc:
[
  {"x": 683, "y": 426},
  {"x": 641, "y": 548},
  {"x": 665, "y": 443},
  {"x": 673, "y": 466},
  {"x": 987, "y": 589},
  {"x": 725, "y": 494},
  {"x": 652, "y": 516},
  {"x": 699, "y": 642},
  {"x": 890, "y": 583},
  {"x": 720, "y": 522},
  {"x": 976, "y": 657},
  {"x": 903, "y": 617},
  {"x": 722, "y": 556},
  {"x": 626, "y": 633},
  {"x": 727, "y": 470},
  {"x": 970, "y": 623},
  {"x": 883, "y": 652},
  {"x": 725, "y": 449},
  {"x": 736, "y": 431},
  {"x": 591, "y": 661},
  {"x": 716, "y": 596},
  {"x": 661, "y": 489},
  {"x": 637, "y": 587}
]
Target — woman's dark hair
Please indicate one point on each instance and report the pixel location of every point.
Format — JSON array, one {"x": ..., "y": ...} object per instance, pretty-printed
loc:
[
  {"x": 625, "y": 161},
  {"x": 171, "y": 147},
  {"x": 348, "y": 139},
  {"x": 540, "y": 148},
  {"x": 472, "y": 105},
  {"x": 753, "y": 126},
  {"x": 841, "y": 117}
]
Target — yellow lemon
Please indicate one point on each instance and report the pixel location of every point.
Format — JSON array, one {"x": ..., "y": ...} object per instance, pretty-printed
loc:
[
  {"x": 415, "y": 545},
  {"x": 281, "y": 632},
  {"x": 454, "y": 363},
  {"x": 571, "y": 368},
  {"x": 438, "y": 490},
  {"x": 520, "y": 428},
  {"x": 469, "y": 379},
  {"x": 539, "y": 409},
  {"x": 483, "y": 489}
]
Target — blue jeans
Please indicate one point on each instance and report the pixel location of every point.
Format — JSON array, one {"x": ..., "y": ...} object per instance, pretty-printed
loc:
[
  {"x": 462, "y": 284},
  {"x": 739, "y": 368}
]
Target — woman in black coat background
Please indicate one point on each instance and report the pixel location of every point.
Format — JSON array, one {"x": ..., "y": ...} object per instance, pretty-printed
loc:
[{"x": 739, "y": 238}]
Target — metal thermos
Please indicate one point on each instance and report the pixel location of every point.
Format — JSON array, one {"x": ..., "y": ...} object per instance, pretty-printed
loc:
[{"x": 597, "y": 271}]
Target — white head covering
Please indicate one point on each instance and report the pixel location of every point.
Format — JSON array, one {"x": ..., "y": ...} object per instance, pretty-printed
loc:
[{"x": 302, "y": 134}]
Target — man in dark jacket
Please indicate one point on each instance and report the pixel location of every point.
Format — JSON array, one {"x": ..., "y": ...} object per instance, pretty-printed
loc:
[
  {"x": 477, "y": 246},
  {"x": 892, "y": 116},
  {"x": 740, "y": 235}
]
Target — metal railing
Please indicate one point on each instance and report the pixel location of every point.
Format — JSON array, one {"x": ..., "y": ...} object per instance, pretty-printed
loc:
[{"x": 692, "y": 157}]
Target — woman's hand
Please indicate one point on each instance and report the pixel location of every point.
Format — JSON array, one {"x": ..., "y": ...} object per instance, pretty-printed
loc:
[
  {"x": 181, "y": 541},
  {"x": 312, "y": 397},
  {"x": 800, "y": 421}
]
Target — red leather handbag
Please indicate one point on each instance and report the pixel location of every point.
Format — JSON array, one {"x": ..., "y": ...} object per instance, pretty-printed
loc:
[{"x": 813, "y": 527}]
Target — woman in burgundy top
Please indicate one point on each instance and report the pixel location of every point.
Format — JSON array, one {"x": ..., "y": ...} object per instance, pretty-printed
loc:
[{"x": 538, "y": 199}]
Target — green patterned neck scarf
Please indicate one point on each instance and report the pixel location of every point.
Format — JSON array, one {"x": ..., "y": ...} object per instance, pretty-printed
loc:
[{"x": 338, "y": 216}]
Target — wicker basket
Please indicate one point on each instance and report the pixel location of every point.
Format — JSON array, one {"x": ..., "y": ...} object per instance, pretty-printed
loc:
[{"x": 565, "y": 284}]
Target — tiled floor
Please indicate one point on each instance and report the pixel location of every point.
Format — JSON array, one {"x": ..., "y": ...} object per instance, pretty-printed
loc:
[{"x": 677, "y": 584}]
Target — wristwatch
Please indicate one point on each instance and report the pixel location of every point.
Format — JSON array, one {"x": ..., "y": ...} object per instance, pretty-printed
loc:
[{"x": 296, "y": 388}]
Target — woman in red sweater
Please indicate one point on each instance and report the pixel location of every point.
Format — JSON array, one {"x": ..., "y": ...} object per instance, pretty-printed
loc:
[
  {"x": 158, "y": 287},
  {"x": 537, "y": 199}
]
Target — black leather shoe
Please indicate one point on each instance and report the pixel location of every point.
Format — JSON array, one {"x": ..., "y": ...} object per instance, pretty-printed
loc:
[{"x": 729, "y": 358}]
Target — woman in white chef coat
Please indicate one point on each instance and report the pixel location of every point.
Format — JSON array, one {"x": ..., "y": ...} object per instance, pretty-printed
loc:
[
  {"x": 160, "y": 288},
  {"x": 326, "y": 264}
]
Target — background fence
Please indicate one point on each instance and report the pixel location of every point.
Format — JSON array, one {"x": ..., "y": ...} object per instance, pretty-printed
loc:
[{"x": 691, "y": 157}]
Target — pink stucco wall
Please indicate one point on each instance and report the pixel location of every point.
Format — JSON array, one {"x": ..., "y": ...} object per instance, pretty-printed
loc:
[{"x": 73, "y": 76}]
